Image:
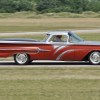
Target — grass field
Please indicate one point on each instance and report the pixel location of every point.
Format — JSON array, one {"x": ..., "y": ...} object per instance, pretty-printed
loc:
[
  {"x": 30, "y": 21},
  {"x": 91, "y": 36},
  {"x": 47, "y": 24},
  {"x": 50, "y": 83}
]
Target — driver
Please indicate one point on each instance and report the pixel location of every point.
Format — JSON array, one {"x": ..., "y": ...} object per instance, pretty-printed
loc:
[{"x": 58, "y": 38}]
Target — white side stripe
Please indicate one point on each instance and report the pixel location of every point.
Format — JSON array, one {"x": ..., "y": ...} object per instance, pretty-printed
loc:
[
  {"x": 68, "y": 51},
  {"x": 59, "y": 49}
]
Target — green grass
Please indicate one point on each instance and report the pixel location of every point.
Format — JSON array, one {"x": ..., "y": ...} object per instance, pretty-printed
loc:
[
  {"x": 30, "y": 21},
  {"x": 47, "y": 24},
  {"x": 90, "y": 36},
  {"x": 38, "y": 36},
  {"x": 87, "y": 14},
  {"x": 49, "y": 83}
]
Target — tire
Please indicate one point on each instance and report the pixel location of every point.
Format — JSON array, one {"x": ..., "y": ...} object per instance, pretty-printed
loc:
[
  {"x": 30, "y": 61},
  {"x": 94, "y": 58},
  {"x": 21, "y": 58}
]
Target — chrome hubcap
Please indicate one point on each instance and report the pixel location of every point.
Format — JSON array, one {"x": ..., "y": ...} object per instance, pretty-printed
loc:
[
  {"x": 21, "y": 58},
  {"x": 95, "y": 57}
]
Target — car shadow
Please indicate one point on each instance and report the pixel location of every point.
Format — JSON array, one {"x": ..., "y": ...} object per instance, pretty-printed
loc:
[
  {"x": 47, "y": 63},
  {"x": 61, "y": 63}
]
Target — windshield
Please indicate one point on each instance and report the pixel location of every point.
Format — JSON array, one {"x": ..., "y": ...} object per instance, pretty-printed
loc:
[
  {"x": 46, "y": 37},
  {"x": 73, "y": 38}
]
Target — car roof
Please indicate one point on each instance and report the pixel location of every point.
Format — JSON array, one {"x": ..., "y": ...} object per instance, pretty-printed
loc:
[{"x": 58, "y": 32}]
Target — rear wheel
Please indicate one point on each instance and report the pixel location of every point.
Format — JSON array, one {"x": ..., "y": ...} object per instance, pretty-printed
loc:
[
  {"x": 94, "y": 58},
  {"x": 21, "y": 58}
]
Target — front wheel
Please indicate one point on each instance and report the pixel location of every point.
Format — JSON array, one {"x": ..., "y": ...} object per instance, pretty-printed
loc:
[
  {"x": 94, "y": 58},
  {"x": 21, "y": 58}
]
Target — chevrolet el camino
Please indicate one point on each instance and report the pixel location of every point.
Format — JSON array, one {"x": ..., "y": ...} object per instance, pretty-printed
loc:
[{"x": 57, "y": 45}]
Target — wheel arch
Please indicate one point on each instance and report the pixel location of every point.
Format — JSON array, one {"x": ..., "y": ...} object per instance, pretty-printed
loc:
[
  {"x": 14, "y": 54},
  {"x": 87, "y": 56}
]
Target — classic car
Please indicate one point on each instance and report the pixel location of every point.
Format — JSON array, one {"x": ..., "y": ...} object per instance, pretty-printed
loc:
[{"x": 57, "y": 45}]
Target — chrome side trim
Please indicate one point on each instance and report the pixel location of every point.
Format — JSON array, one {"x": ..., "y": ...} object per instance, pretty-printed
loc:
[
  {"x": 68, "y": 51},
  {"x": 59, "y": 48},
  {"x": 43, "y": 50},
  {"x": 29, "y": 49},
  {"x": 21, "y": 42}
]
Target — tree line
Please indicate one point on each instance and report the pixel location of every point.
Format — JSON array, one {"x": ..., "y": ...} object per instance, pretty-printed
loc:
[{"x": 48, "y": 6}]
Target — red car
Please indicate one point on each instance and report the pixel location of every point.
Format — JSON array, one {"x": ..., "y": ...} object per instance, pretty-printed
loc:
[{"x": 57, "y": 45}]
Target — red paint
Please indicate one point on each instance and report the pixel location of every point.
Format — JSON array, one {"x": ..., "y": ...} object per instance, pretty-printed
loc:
[{"x": 75, "y": 52}]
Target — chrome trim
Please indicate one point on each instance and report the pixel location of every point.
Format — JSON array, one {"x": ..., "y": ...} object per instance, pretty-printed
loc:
[
  {"x": 94, "y": 43},
  {"x": 95, "y": 57},
  {"x": 29, "y": 49},
  {"x": 21, "y": 58},
  {"x": 21, "y": 42},
  {"x": 55, "y": 46},
  {"x": 68, "y": 51},
  {"x": 59, "y": 48},
  {"x": 43, "y": 50}
]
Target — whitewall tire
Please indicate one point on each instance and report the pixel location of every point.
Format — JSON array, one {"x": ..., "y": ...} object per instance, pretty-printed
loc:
[
  {"x": 21, "y": 58},
  {"x": 94, "y": 58}
]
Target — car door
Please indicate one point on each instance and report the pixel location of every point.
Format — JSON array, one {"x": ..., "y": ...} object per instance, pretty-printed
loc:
[{"x": 61, "y": 50}]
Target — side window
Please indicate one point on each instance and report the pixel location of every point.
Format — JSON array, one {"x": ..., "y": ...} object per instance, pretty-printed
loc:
[{"x": 58, "y": 38}]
